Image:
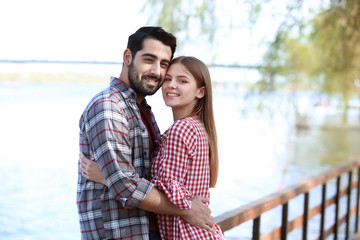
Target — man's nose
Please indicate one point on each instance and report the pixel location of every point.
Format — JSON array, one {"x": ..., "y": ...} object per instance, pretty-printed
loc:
[{"x": 156, "y": 69}]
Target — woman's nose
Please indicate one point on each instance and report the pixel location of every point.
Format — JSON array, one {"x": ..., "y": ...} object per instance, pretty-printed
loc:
[{"x": 172, "y": 84}]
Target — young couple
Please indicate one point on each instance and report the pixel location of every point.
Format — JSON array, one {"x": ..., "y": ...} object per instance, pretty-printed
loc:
[{"x": 134, "y": 172}]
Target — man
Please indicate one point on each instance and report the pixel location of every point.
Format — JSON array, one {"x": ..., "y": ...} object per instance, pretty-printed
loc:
[{"x": 119, "y": 128}]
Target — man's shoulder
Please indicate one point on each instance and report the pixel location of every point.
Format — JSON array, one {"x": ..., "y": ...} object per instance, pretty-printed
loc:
[
  {"x": 109, "y": 99},
  {"x": 117, "y": 91},
  {"x": 110, "y": 93}
]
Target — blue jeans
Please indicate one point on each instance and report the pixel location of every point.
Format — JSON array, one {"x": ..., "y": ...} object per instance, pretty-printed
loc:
[{"x": 153, "y": 235}]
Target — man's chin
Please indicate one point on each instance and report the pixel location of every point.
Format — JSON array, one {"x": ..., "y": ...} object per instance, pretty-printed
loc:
[
  {"x": 150, "y": 94},
  {"x": 151, "y": 90}
]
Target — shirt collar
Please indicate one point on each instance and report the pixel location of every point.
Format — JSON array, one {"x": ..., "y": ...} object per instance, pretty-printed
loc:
[{"x": 123, "y": 88}]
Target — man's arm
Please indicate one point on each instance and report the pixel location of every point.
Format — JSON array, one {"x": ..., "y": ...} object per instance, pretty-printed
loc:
[
  {"x": 199, "y": 214},
  {"x": 109, "y": 134}
]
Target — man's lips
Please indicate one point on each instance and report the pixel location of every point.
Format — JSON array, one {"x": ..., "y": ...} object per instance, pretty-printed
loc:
[{"x": 149, "y": 78}]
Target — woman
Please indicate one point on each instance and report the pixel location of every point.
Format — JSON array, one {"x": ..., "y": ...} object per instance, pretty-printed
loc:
[{"x": 186, "y": 163}]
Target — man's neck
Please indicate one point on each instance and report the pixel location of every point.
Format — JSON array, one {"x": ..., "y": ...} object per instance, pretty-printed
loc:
[
  {"x": 124, "y": 77},
  {"x": 139, "y": 99}
]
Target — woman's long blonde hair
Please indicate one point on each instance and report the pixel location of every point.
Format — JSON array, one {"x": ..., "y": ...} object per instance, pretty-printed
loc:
[{"x": 204, "y": 109}]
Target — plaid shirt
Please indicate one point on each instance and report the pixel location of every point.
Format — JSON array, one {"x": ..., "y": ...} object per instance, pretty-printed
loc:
[
  {"x": 181, "y": 169},
  {"x": 112, "y": 128}
]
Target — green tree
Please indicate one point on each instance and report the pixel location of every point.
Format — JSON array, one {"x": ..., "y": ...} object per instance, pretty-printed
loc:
[
  {"x": 188, "y": 20},
  {"x": 324, "y": 50},
  {"x": 336, "y": 36},
  {"x": 316, "y": 45}
]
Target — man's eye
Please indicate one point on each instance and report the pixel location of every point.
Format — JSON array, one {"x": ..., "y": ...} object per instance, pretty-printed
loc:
[{"x": 164, "y": 65}]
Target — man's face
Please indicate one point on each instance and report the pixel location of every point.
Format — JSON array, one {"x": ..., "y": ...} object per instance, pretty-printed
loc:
[{"x": 148, "y": 67}]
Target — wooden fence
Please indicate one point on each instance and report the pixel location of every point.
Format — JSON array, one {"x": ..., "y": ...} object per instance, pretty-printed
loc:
[{"x": 253, "y": 211}]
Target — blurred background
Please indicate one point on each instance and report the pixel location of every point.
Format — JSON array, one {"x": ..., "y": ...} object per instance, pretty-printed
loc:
[{"x": 286, "y": 84}]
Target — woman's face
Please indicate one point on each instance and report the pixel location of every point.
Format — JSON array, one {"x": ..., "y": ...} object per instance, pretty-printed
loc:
[{"x": 179, "y": 89}]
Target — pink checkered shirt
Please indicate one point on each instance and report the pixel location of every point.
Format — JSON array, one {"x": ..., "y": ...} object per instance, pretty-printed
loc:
[{"x": 180, "y": 168}]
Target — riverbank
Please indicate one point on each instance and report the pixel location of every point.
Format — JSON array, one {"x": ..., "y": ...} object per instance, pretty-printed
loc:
[
  {"x": 48, "y": 72},
  {"x": 66, "y": 77},
  {"x": 45, "y": 117},
  {"x": 340, "y": 127}
]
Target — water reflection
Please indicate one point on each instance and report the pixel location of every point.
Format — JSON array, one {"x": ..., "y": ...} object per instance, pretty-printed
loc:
[{"x": 260, "y": 153}]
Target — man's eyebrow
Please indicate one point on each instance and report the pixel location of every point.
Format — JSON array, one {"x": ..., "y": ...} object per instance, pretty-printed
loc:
[
  {"x": 154, "y": 56},
  {"x": 149, "y": 55}
]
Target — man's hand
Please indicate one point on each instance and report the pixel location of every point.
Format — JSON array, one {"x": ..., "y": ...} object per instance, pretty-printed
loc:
[{"x": 200, "y": 214}]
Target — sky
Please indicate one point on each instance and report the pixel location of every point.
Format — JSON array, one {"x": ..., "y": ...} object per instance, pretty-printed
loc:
[
  {"x": 92, "y": 30},
  {"x": 67, "y": 29}
]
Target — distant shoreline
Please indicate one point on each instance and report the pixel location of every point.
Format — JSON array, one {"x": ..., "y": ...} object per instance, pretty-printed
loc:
[
  {"x": 52, "y": 77},
  {"x": 34, "y": 61},
  {"x": 58, "y": 71},
  {"x": 15, "y": 61}
]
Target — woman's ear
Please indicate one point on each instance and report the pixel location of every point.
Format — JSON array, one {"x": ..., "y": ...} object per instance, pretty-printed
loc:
[
  {"x": 127, "y": 57},
  {"x": 200, "y": 92}
]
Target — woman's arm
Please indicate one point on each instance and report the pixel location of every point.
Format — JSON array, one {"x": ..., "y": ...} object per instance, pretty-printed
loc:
[
  {"x": 156, "y": 201},
  {"x": 198, "y": 215},
  {"x": 174, "y": 166},
  {"x": 91, "y": 170}
]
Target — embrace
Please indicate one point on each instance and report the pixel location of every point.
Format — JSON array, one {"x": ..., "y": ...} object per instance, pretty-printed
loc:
[{"x": 133, "y": 182}]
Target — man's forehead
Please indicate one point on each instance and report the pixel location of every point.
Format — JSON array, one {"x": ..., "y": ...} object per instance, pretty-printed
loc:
[{"x": 156, "y": 48}]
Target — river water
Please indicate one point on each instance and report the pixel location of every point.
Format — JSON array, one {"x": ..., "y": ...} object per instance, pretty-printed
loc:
[{"x": 260, "y": 153}]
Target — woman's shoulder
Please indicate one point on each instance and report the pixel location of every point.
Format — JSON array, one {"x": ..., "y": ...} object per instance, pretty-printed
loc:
[
  {"x": 185, "y": 127},
  {"x": 188, "y": 122}
]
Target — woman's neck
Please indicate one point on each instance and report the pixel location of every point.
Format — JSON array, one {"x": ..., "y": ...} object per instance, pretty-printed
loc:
[{"x": 179, "y": 114}]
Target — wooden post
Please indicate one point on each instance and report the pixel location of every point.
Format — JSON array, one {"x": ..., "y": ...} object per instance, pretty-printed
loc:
[
  {"x": 306, "y": 216},
  {"x": 337, "y": 202},
  {"x": 284, "y": 221},
  {"x": 323, "y": 203},
  {"x": 256, "y": 229}
]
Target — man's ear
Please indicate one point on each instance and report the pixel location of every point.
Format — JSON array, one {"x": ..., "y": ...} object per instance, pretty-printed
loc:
[
  {"x": 201, "y": 92},
  {"x": 127, "y": 57}
]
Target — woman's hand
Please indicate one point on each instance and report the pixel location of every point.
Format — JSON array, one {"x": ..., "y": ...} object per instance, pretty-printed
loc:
[{"x": 91, "y": 170}]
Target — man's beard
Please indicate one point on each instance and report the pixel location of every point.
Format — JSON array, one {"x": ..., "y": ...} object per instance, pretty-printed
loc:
[{"x": 139, "y": 85}]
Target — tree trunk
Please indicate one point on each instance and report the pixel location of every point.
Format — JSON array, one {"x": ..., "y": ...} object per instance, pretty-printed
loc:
[
  {"x": 359, "y": 107},
  {"x": 345, "y": 114}
]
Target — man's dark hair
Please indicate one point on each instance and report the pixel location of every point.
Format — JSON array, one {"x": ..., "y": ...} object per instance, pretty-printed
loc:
[{"x": 136, "y": 40}]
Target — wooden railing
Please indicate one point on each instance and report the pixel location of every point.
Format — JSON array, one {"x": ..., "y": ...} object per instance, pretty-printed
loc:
[{"x": 254, "y": 210}]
